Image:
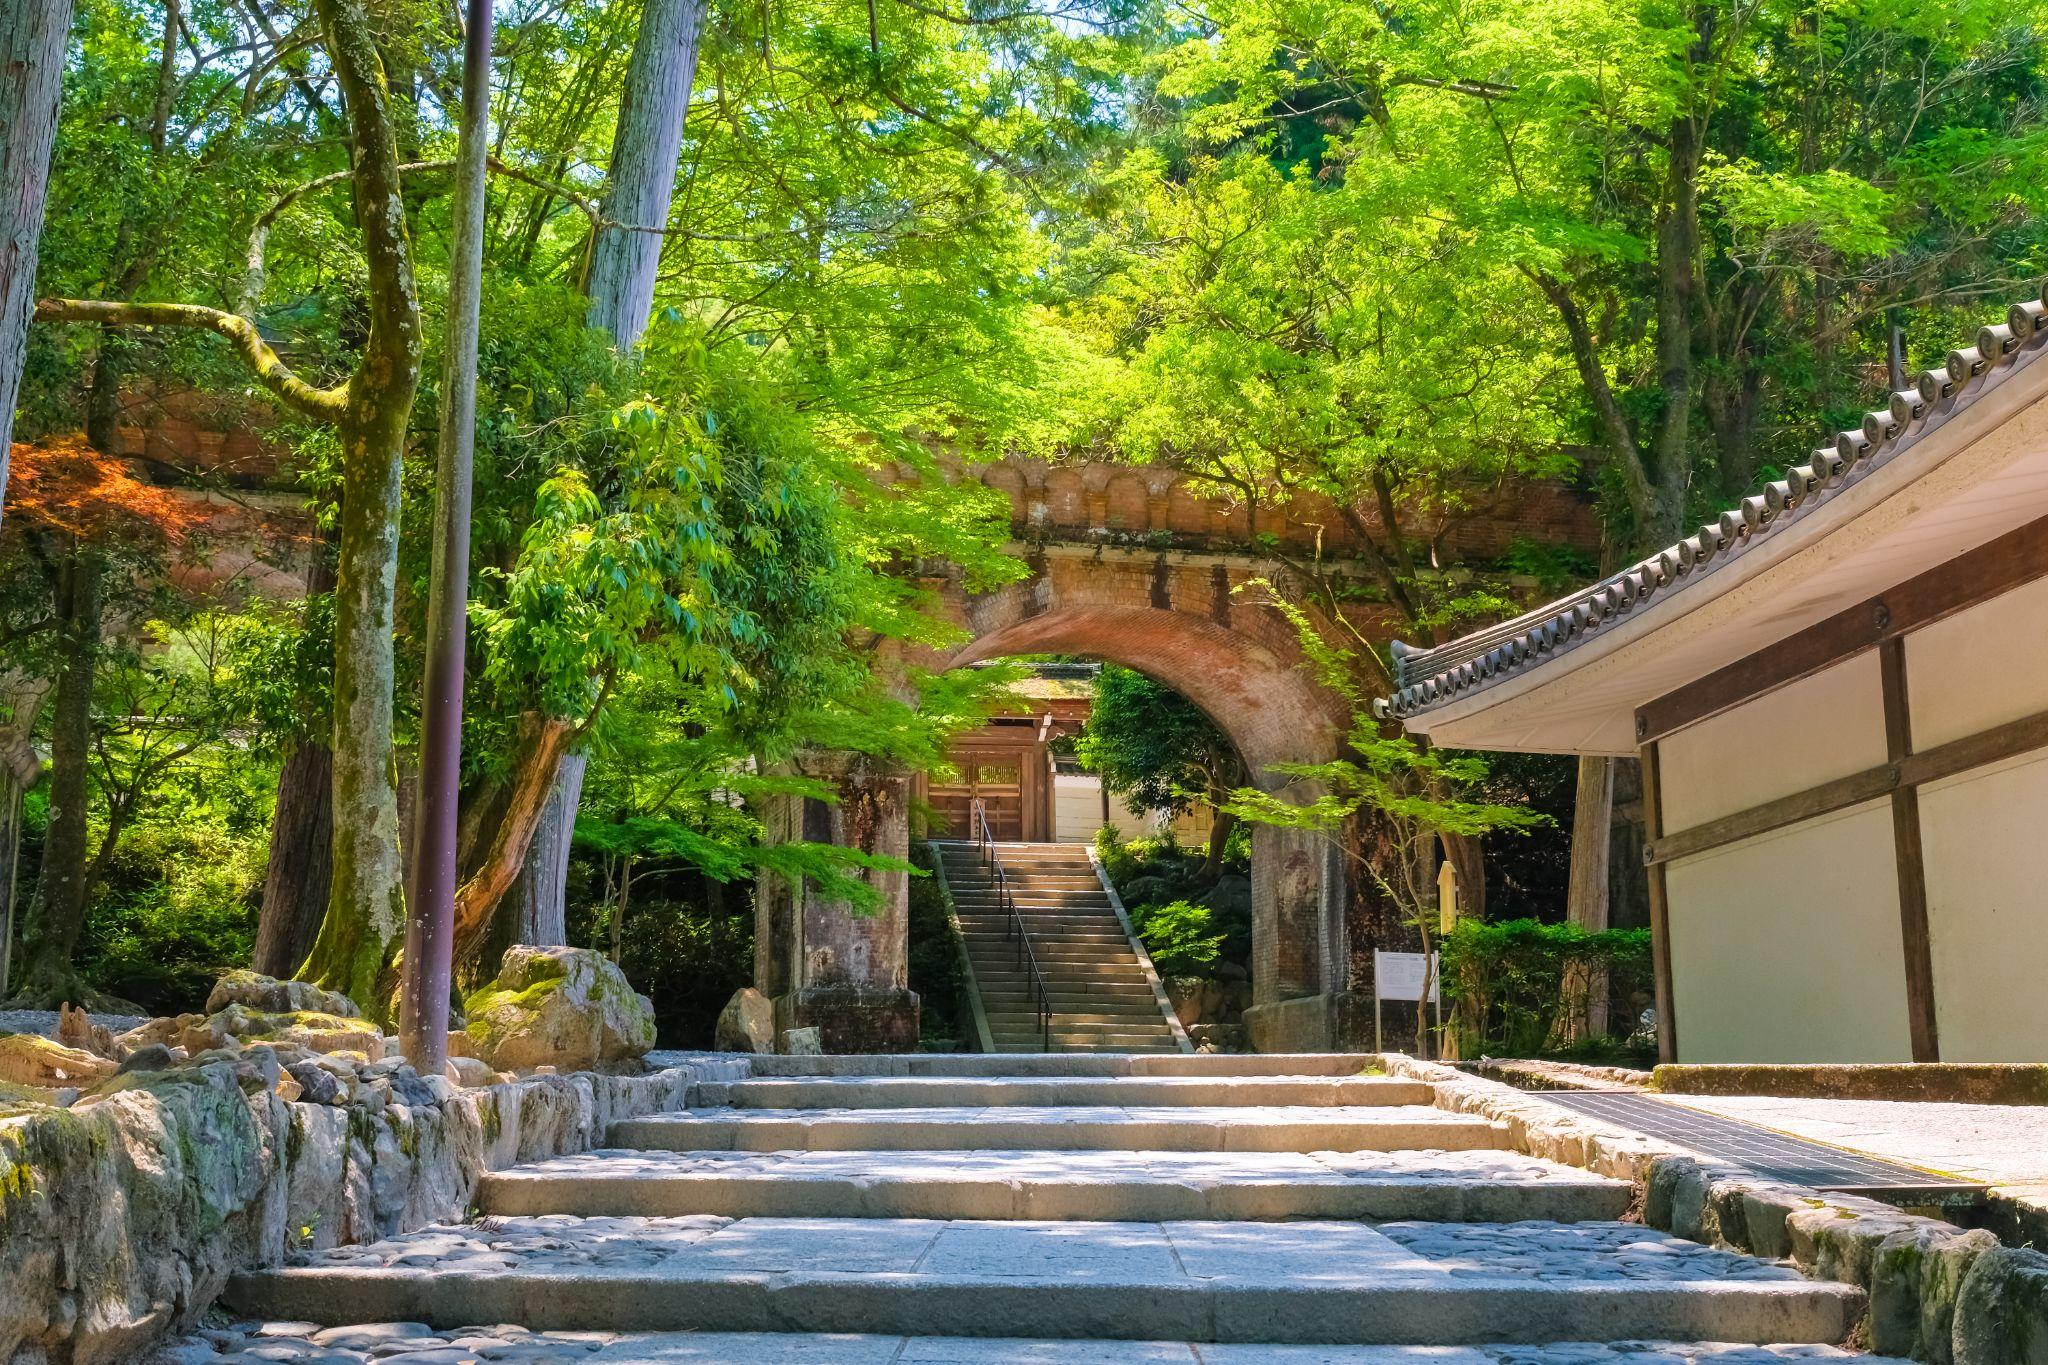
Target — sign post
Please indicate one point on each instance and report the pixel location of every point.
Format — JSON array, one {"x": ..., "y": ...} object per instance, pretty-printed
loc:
[{"x": 1404, "y": 976}]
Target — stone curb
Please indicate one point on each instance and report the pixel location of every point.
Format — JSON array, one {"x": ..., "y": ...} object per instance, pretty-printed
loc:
[{"x": 1936, "y": 1292}]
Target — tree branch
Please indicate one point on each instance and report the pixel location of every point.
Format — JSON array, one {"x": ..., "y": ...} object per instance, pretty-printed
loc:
[{"x": 323, "y": 405}]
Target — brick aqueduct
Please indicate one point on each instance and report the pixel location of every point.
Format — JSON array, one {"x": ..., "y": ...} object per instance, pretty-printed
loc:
[
  {"x": 1133, "y": 564},
  {"x": 1138, "y": 567}
]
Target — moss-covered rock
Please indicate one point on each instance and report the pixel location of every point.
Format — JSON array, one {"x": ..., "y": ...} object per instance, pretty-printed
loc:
[
  {"x": 31, "y": 1059},
  {"x": 569, "y": 1008},
  {"x": 269, "y": 995}
]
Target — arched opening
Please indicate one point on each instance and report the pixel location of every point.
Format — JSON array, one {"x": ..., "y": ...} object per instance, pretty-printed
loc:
[{"x": 1258, "y": 695}]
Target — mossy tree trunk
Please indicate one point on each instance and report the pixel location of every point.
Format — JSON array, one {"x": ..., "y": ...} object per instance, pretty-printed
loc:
[{"x": 32, "y": 38}]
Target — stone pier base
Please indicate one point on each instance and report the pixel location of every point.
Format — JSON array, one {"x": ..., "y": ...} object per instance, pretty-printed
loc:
[
  {"x": 853, "y": 1019},
  {"x": 1340, "y": 1021}
]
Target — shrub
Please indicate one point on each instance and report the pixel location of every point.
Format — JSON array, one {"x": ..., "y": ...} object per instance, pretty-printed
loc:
[
  {"x": 934, "y": 956},
  {"x": 1179, "y": 936},
  {"x": 1520, "y": 988}
]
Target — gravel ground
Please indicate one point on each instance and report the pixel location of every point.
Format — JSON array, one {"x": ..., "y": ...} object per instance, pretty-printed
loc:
[{"x": 45, "y": 1021}]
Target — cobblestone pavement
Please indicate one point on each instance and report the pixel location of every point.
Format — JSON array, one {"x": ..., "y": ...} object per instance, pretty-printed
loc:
[
  {"x": 1155, "y": 1252},
  {"x": 1212, "y": 1167},
  {"x": 1549, "y": 1251},
  {"x": 412, "y": 1343}
]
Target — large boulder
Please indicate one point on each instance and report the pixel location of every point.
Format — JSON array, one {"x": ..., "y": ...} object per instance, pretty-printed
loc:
[
  {"x": 746, "y": 1024},
  {"x": 268, "y": 995},
  {"x": 568, "y": 1008}
]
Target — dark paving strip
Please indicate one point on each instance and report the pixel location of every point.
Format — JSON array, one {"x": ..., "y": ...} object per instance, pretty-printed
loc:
[{"x": 1775, "y": 1156}]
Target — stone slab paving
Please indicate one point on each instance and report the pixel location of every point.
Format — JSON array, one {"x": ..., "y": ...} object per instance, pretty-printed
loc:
[
  {"x": 1064, "y": 1128},
  {"x": 1469, "y": 1186},
  {"x": 1997, "y": 1144},
  {"x": 414, "y": 1343},
  {"x": 926, "y": 1092},
  {"x": 1203, "y": 1281}
]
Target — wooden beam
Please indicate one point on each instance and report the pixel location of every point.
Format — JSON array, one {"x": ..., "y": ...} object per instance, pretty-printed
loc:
[
  {"x": 1970, "y": 578},
  {"x": 1976, "y": 751},
  {"x": 1914, "y": 936},
  {"x": 1660, "y": 913},
  {"x": 1827, "y": 798},
  {"x": 2026, "y": 735}
]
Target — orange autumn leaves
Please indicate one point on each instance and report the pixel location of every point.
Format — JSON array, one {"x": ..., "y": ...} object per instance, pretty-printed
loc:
[{"x": 65, "y": 486}]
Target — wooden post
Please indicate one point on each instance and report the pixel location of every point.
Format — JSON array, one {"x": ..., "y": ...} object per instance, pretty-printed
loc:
[
  {"x": 1660, "y": 906},
  {"x": 430, "y": 916},
  {"x": 1913, "y": 931}
]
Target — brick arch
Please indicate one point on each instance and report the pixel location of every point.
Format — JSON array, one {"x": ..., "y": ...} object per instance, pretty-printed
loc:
[
  {"x": 1177, "y": 620},
  {"x": 1268, "y": 706}
]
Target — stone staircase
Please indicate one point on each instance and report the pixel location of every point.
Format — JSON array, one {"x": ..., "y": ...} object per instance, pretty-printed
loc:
[
  {"x": 1239, "y": 1210},
  {"x": 1104, "y": 996}
]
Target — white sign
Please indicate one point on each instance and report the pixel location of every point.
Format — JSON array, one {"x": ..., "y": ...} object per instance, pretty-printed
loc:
[{"x": 1402, "y": 976}]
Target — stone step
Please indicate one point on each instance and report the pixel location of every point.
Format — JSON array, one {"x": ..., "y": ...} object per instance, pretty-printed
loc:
[
  {"x": 1074, "y": 1010},
  {"x": 1108, "y": 1064},
  {"x": 513, "y": 1343},
  {"x": 1400, "y": 1283},
  {"x": 992, "y": 934},
  {"x": 1128, "y": 972},
  {"x": 1068, "y": 1128},
  {"x": 1480, "y": 1186},
  {"x": 926, "y": 1092},
  {"x": 1033, "y": 1046}
]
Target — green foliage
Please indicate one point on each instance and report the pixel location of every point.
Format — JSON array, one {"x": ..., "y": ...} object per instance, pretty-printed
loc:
[
  {"x": 1178, "y": 936},
  {"x": 1153, "y": 746},
  {"x": 935, "y": 954},
  {"x": 1522, "y": 988}
]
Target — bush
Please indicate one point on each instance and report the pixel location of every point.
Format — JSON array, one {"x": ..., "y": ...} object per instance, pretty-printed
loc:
[
  {"x": 1178, "y": 935},
  {"x": 1520, "y": 988},
  {"x": 178, "y": 907},
  {"x": 934, "y": 956}
]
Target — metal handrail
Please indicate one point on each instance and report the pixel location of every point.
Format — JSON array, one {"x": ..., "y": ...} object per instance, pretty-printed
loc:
[{"x": 985, "y": 844}]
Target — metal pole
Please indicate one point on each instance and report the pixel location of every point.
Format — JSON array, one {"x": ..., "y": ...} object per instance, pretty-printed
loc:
[{"x": 430, "y": 916}]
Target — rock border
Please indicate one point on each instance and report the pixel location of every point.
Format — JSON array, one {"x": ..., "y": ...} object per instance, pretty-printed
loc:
[
  {"x": 1937, "y": 1292},
  {"x": 122, "y": 1219}
]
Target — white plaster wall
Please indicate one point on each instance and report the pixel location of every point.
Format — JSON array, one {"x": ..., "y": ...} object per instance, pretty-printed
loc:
[
  {"x": 1979, "y": 668},
  {"x": 1985, "y": 840},
  {"x": 1820, "y": 728},
  {"x": 1786, "y": 947},
  {"x": 1077, "y": 811}
]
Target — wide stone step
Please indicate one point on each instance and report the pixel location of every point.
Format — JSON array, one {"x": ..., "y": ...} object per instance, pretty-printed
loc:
[
  {"x": 1103, "y": 1186},
  {"x": 1068, "y": 1128},
  {"x": 925, "y": 1092},
  {"x": 1412, "y": 1283},
  {"x": 370, "y": 1343},
  {"x": 971, "y": 1064}
]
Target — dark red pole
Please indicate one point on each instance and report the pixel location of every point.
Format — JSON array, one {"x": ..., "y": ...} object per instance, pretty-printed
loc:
[{"x": 430, "y": 916}]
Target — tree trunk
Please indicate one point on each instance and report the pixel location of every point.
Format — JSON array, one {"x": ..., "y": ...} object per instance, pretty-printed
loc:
[
  {"x": 1467, "y": 857},
  {"x": 1586, "y": 902},
  {"x": 506, "y": 834},
  {"x": 624, "y": 260},
  {"x": 20, "y": 768},
  {"x": 366, "y": 910},
  {"x": 55, "y": 919},
  {"x": 32, "y": 39},
  {"x": 1219, "y": 834},
  {"x": 536, "y": 909},
  {"x": 301, "y": 871}
]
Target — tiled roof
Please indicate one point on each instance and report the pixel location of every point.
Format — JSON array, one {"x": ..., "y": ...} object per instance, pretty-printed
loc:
[{"x": 1428, "y": 678}]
